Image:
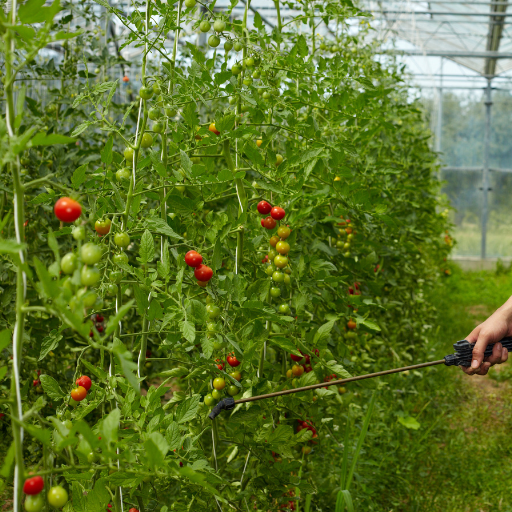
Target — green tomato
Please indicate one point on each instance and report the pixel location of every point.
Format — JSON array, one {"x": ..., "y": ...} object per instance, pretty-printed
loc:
[
  {"x": 247, "y": 81},
  {"x": 122, "y": 257},
  {"x": 216, "y": 394},
  {"x": 236, "y": 69},
  {"x": 249, "y": 62},
  {"x": 57, "y": 496},
  {"x": 112, "y": 290},
  {"x": 238, "y": 46},
  {"x": 190, "y": 3},
  {"x": 170, "y": 111},
  {"x": 122, "y": 240},
  {"x": 284, "y": 308},
  {"x": 214, "y": 41},
  {"x": 213, "y": 310},
  {"x": 123, "y": 174},
  {"x": 272, "y": 254},
  {"x": 275, "y": 292},
  {"x": 154, "y": 113},
  {"x": 256, "y": 73},
  {"x": 128, "y": 154},
  {"x": 158, "y": 127},
  {"x": 91, "y": 253},
  {"x": 280, "y": 261},
  {"x": 115, "y": 276},
  {"x": 34, "y": 503},
  {"x": 269, "y": 270},
  {"x": 219, "y": 26},
  {"x": 212, "y": 327},
  {"x": 228, "y": 46},
  {"x": 287, "y": 279},
  {"x": 88, "y": 297},
  {"x": 146, "y": 93},
  {"x": 91, "y": 457},
  {"x": 78, "y": 233},
  {"x": 217, "y": 345},
  {"x": 68, "y": 424},
  {"x": 209, "y": 300},
  {"x": 147, "y": 140},
  {"x": 233, "y": 100},
  {"x": 68, "y": 263},
  {"x": 90, "y": 275},
  {"x": 233, "y": 390},
  {"x": 278, "y": 277},
  {"x": 209, "y": 400},
  {"x": 204, "y": 26}
]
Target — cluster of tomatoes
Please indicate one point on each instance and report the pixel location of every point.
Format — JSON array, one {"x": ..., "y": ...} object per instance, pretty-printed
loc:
[
  {"x": 346, "y": 236},
  {"x": 298, "y": 369},
  {"x": 83, "y": 384},
  {"x": 99, "y": 323},
  {"x": 219, "y": 383},
  {"x": 277, "y": 257},
  {"x": 34, "y": 502},
  {"x": 203, "y": 273}
]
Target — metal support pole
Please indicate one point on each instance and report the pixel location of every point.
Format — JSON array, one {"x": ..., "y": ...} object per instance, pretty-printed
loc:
[
  {"x": 485, "y": 172},
  {"x": 439, "y": 127}
]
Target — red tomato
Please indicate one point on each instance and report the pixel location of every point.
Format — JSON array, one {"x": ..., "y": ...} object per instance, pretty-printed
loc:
[
  {"x": 133, "y": 509},
  {"x": 264, "y": 207},
  {"x": 351, "y": 324},
  {"x": 262, "y": 223},
  {"x": 295, "y": 358},
  {"x": 67, "y": 209},
  {"x": 84, "y": 381},
  {"x": 78, "y": 394},
  {"x": 277, "y": 213},
  {"x": 102, "y": 226},
  {"x": 33, "y": 485},
  {"x": 220, "y": 364},
  {"x": 268, "y": 223},
  {"x": 232, "y": 360},
  {"x": 203, "y": 273},
  {"x": 193, "y": 259}
]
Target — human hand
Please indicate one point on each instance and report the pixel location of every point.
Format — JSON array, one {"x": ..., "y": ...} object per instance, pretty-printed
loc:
[{"x": 496, "y": 327}]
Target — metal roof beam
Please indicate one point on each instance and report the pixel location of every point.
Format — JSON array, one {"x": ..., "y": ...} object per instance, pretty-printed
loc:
[
  {"x": 446, "y": 13},
  {"x": 451, "y": 54}
]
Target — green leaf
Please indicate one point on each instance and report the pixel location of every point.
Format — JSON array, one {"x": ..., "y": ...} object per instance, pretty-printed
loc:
[
  {"x": 141, "y": 298},
  {"x": 173, "y": 436},
  {"x": 98, "y": 498},
  {"x": 5, "y": 338},
  {"x": 51, "y": 387},
  {"x": 323, "y": 332},
  {"x": 110, "y": 426},
  {"x": 409, "y": 422},
  {"x": 186, "y": 163},
  {"x": 187, "y": 410},
  {"x": 156, "y": 448},
  {"x": 369, "y": 323},
  {"x": 48, "y": 286},
  {"x": 34, "y": 12},
  {"x": 147, "y": 248},
  {"x": 41, "y": 139},
  {"x": 98, "y": 372},
  {"x": 207, "y": 346},
  {"x": 281, "y": 434},
  {"x": 217, "y": 255},
  {"x": 159, "y": 225},
  {"x": 124, "y": 358},
  {"x": 81, "y": 128},
  {"x": 3, "y": 372},
  {"x": 106, "y": 152},
  {"x": 181, "y": 205},
  {"x": 11, "y": 246},
  {"x": 49, "y": 343},
  {"x": 189, "y": 331},
  {"x": 78, "y": 177},
  {"x": 8, "y": 463}
]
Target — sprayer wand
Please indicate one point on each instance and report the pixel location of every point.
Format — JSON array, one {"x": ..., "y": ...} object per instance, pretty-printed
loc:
[{"x": 462, "y": 357}]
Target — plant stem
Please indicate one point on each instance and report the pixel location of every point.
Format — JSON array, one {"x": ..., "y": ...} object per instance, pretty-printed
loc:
[{"x": 21, "y": 278}]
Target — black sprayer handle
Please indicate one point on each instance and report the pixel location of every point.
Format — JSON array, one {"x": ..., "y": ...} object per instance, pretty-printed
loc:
[
  {"x": 464, "y": 352},
  {"x": 226, "y": 404}
]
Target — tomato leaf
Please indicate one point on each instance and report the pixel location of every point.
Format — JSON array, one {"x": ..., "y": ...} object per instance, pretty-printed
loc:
[
  {"x": 156, "y": 448},
  {"x": 409, "y": 422},
  {"x": 42, "y": 139},
  {"x": 51, "y": 387},
  {"x": 173, "y": 436},
  {"x": 187, "y": 410},
  {"x": 49, "y": 343},
  {"x": 5, "y": 338},
  {"x": 11, "y": 246},
  {"x": 284, "y": 343},
  {"x": 124, "y": 358}
]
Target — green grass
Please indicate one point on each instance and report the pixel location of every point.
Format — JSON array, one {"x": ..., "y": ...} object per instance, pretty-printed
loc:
[
  {"x": 464, "y": 464},
  {"x": 468, "y": 237}
]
